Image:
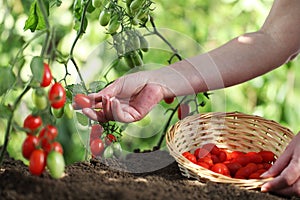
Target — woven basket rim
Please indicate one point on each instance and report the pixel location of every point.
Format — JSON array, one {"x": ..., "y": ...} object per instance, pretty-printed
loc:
[{"x": 190, "y": 169}]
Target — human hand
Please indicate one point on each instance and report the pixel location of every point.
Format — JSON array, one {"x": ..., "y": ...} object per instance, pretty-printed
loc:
[
  {"x": 286, "y": 171},
  {"x": 127, "y": 99}
]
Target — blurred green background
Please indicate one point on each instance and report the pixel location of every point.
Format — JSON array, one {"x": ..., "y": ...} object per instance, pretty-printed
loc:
[{"x": 203, "y": 24}]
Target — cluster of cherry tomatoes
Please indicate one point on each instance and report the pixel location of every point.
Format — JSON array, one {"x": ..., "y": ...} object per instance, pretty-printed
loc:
[
  {"x": 235, "y": 164},
  {"x": 40, "y": 146},
  {"x": 101, "y": 145}
]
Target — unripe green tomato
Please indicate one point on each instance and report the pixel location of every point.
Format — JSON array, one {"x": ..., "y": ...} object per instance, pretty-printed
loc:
[
  {"x": 113, "y": 25},
  {"x": 135, "y": 5},
  {"x": 128, "y": 60},
  {"x": 68, "y": 110},
  {"x": 144, "y": 44},
  {"x": 97, "y": 3},
  {"x": 120, "y": 49},
  {"x": 108, "y": 152},
  {"x": 135, "y": 41},
  {"x": 117, "y": 149},
  {"x": 104, "y": 17},
  {"x": 57, "y": 113},
  {"x": 136, "y": 59},
  {"x": 39, "y": 99},
  {"x": 55, "y": 164}
]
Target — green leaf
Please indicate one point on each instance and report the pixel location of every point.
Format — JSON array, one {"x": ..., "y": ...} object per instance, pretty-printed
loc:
[
  {"x": 96, "y": 86},
  {"x": 82, "y": 119},
  {"x": 36, "y": 19},
  {"x": 32, "y": 20},
  {"x": 76, "y": 89},
  {"x": 7, "y": 79},
  {"x": 5, "y": 111},
  {"x": 37, "y": 68}
]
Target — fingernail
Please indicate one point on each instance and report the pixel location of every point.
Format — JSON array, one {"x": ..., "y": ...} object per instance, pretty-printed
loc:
[
  {"x": 265, "y": 175},
  {"x": 263, "y": 189}
]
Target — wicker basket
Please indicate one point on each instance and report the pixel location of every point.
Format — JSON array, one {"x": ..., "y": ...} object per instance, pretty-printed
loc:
[{"x": 231, "y": 131}]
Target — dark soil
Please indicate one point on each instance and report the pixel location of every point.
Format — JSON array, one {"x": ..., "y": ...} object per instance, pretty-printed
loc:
[{"x": 108, "y": 180}]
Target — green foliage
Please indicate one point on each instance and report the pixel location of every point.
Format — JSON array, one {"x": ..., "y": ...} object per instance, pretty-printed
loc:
[{"x": 191, "y": 26}]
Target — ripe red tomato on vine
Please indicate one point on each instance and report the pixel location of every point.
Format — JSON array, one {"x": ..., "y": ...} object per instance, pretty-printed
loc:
[
  {"x": 57, "y": 95},
  {"x": 47, "y": 76},
  {"x": 32, "y": 123}
]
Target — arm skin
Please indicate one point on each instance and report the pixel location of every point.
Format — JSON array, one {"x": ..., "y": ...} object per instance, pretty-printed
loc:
[{"x": 243, "y": 58}]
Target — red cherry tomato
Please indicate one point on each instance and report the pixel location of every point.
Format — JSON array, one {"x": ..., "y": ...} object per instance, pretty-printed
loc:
[
  {"x": 29, "y": 145},
  {"x": 37, "y": 162},
  {"x": 190, "y": 157},
  {"x": 46, "y": 137},
  {"x": 97, "y": 147},
  {"x": 203, "y": 164},
  {"x": 183, "y": 111},
  {"x": 254, "y": 175},
  {"x": 242, "y": 159},
  {"x": 169, "y": 100},
  {"x": 212, "y": 148},
  {"x": 56, "y": 146},
  {"x": 96, "y": 132},
  {"x": 221, "y": 169},
  {"x": 236, "y": 154},
  {"x": 82, "y": 101},
  {"x": 47, "y": 76},
  {"x": 267, "y": 156},
  {"x": 215, "y": 158},
  {"x": 109, "y": 139},
  {"x": 32, "y": 123},
  {"x": 207, "y": 160},
  {"x": 57, "y": 96},
  {"x": 244, "y": 172},
  {"x": 254, "y": 157},
  {"x": 49, "y": 132},
  {"x": 233, "y": 167},
  {"x": 222, "y": 156},
  {"x": 200, "y": 153}
]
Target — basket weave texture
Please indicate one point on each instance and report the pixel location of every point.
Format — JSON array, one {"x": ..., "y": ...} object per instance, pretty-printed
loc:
[{"x": 233, "y": 131}]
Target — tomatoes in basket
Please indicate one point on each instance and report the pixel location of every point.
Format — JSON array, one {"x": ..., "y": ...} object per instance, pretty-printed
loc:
[
  {"x": 235, "y": 164},
  {"x": 190, "y": 157},
  {"x": 267, "y": 156},
  {"x": 221, "y": 168}
]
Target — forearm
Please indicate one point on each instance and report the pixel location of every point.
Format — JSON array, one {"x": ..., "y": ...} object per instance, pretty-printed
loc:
[{"x": 239, "y": 60}]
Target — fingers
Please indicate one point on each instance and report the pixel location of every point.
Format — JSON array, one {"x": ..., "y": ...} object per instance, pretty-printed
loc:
[
  {"x": 294, "y": 190},
  {"x": 278, "y": 166},
  {"x": 287, "y": 177}
]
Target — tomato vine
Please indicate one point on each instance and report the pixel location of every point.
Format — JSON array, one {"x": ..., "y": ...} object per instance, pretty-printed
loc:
[{"x": 121, "y": 20}]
